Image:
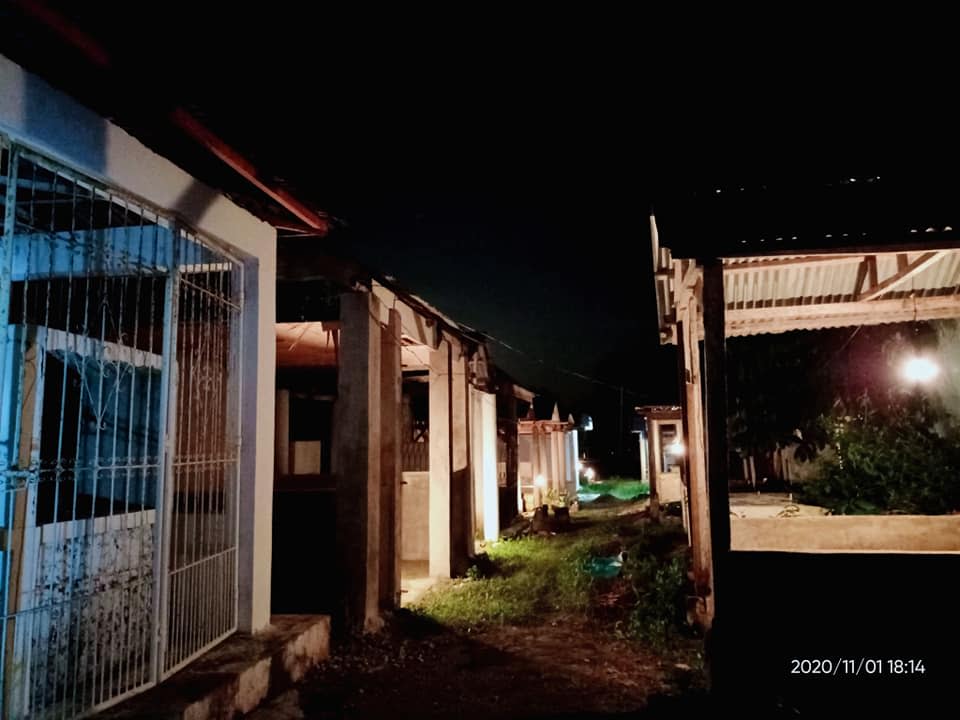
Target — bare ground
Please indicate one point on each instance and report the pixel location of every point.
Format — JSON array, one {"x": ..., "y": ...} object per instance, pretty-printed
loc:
[{"x": 561, "y": 668}]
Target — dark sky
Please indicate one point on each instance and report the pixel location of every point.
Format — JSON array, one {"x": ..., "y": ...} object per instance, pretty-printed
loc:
[{"x": 501, "y": 166}]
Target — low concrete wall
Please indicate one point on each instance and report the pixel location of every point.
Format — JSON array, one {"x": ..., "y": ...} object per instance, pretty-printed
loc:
[
  {"x": 669, "y": 487},
  {"x": 848, "y": 533},
  {"x": 415, "y": 516},
  {"x": 236, "y": 676}
]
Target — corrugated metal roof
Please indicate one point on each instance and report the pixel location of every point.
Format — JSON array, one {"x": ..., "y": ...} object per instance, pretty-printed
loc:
[{"x": 791, "y": 292}]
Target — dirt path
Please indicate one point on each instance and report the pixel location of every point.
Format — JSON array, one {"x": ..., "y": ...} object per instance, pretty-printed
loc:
[
  {"x": 554, "y": 665},
  {"x": 417, "y": 669}
]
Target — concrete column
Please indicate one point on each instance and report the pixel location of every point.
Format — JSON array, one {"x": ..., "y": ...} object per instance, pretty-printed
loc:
[
  {"x": 356, "y": 461},
  {"x": 645, "y": 456},
  {"x": 390, "y": 475},
  {"x": 259, "y": 379},
  {"x": 461, "y": 495},
  {"x": 486, "y": 456},
  {"x": 558, "y": 458},
  {"x": 440, "y": 461},
  {"x": 570, "y": 445},
  {"x": 653, "y": 445},
  {"x": 575, "y": 445},
  {"x": 476, "y": 461},
  {"x": 542, "y": 439},
  {"x": 282, "y": 430}
]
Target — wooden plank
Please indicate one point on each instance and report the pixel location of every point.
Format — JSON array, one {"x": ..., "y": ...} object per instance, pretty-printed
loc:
[
  {"x": 21, "y": 558},
  {"x": 933, "y": 307},
  {"x": 798, "y": 263}
]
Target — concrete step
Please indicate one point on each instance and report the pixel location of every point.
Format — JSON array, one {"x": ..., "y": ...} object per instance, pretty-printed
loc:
[{"x": 237, "y": 675}]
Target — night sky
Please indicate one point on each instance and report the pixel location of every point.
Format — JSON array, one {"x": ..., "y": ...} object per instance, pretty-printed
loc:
[{"x": 502, "y": 167}]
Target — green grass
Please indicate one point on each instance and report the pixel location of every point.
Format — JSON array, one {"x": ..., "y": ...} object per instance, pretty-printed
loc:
[
  {"x": 619, "y": 487},
  {"x": 525, "y": 580}
]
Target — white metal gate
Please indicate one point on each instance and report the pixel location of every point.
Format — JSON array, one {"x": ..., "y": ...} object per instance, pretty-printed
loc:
[
  {"x": 119, "y": 398},
  {"x": 201, "y": 497}
]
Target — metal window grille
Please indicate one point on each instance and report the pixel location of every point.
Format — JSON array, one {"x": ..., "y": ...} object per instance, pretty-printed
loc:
[{"x": 119, "y": 399}]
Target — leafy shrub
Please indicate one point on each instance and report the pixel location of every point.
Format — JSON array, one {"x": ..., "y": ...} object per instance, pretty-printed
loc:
[
  {"x": 903, "y": 456},
  {"x": 661, "y": 591}
]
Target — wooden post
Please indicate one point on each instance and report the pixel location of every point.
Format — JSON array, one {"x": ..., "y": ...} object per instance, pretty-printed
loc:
[
  {"x": 693, "y": 428},
  {"x": 21, "y": 548},
  {"x": 720, "y": 647},
  {"x": 715, "y": 348}
]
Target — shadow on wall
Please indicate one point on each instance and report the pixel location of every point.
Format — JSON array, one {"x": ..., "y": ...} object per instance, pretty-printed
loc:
[{"x": 80, "y": 136}]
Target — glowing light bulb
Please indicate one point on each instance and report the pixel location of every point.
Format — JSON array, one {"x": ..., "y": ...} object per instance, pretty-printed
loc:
[
  {"x": 676, "y": 448},
  {"x": 918, "y": 369}
]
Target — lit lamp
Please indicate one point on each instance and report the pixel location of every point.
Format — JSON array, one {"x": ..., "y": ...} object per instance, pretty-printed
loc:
[
  {"x": 919, "y": 369},
  {"x": 539, "y": 483},
  {"x": 676, "y": 448}
]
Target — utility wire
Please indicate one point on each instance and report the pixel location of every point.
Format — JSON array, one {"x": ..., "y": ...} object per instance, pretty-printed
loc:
[{"x": 558, "y": 368}]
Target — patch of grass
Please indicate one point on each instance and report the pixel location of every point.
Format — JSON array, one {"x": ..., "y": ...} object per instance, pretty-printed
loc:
[
  {"x": 660, "y": 587},
  {"x": 526, "y": 579},
  {"x": 523, "y": 581},
  {"x": 619, "y": 487}
]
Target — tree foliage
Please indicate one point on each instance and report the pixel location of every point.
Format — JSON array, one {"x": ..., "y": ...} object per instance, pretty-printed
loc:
[{"x": 778, "y": 388}]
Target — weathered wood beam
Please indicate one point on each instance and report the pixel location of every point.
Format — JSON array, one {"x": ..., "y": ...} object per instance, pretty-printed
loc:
[
  {"x": 793, "y": 263},
  {"x": 872, "y": 270},
  {"x": 905, "y": 271},
  {"x": 754, "y": 321},
  {"x": 715, "y": 407},
  {"x": 862, "y": 275}
]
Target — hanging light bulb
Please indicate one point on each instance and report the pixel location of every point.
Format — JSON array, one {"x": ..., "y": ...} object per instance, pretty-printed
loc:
[{"x": 919, "y": 369}]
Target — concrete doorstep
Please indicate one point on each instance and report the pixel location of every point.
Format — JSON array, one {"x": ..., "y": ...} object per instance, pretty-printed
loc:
[{"x": 236, "y": 676}]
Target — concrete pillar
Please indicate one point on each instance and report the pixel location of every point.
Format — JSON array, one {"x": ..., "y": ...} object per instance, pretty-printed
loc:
[
  {"x": 259, "y": 378},
  {"x": 558, "y": 458},
  {"x": 282, "y": 430},
  {"x": 390, "y": 475},
  {"x": 644, "y": 456},
  {"x": 542, "y": 448},
  {"x": 486, "y": 495},
  {"x": 356, "y": 461},
  {"x": 575, "y": 445},
  {"x": 570, "y": 445},
  {"x": 440, "y": 461},
  {"x": 476, "y": 459},
  {"x": 653, "y": 444},
  {"x": 461, "y": 495}
]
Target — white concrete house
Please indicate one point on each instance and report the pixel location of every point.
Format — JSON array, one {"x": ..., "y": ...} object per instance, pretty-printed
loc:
[{"x": 137, "y": 370}]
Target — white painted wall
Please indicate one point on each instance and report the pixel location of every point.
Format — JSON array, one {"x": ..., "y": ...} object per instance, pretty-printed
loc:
[{"x": 33, "y": 113}]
